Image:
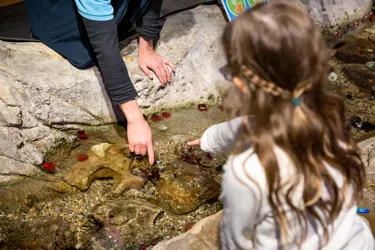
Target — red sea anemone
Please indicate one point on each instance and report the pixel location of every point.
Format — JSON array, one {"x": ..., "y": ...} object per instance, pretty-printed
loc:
[
  {"x": 49, "y": 166},
  {"x": 202, "y": 107},
  {"x": 166, "y": 114},
  {"x": 81, "y": 134},
  {"x": 155, "y": 117},
  {"x": 82, "y": 157}
]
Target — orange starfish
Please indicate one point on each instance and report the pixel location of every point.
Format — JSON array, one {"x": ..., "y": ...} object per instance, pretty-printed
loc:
[{"x": 239, "y": 7}]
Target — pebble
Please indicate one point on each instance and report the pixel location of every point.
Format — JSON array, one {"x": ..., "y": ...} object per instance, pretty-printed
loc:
[
  {"x": 370, "y": 30},
  {"x": 332, "y": 77},
  {"x": 371, "y": 38},
  {"x": 159, "y": 162},
  {"x": 363, "y": 210},
  {"x": 163, "y": 128},
  {"x": 129, "y": 58},
  {"x": 370, "y": 50},
  {"x": 370, "y": 65}
]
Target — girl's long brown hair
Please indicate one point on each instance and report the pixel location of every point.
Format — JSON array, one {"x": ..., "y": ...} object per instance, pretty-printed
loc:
[{"x": 277, "y": 50}]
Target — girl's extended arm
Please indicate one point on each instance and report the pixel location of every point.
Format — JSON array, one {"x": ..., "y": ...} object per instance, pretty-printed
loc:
[{"x": 220, "y": 138}]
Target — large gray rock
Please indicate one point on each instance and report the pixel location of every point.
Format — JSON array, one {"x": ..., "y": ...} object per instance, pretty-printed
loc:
[
  {"x": 41, "y": 94},
  {"x": 331, "y": 14}
]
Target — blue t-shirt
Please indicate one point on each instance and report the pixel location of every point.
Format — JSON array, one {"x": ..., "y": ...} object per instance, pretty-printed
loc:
[{"x": 97, "y": 10}]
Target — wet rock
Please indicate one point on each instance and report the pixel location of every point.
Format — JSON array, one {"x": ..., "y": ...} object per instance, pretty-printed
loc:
[
  {"x": 183, "y": 187},
  {"x": 101, "y": 149},
  {"x": 361, "y": 76},
  {"x": 107, "y": 161},
  {"x": 356, "y": 52},
  {"x": 204, "y": 235},
  {"x": 38, "y": 233},
  {"x": 127, "y": 222}
]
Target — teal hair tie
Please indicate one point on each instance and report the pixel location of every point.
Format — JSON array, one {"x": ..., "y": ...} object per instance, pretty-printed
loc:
[{"x": 296, "y": 102}]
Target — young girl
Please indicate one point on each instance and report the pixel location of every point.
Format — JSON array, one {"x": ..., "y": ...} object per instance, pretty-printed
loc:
[{"x": 294, "y": 175}]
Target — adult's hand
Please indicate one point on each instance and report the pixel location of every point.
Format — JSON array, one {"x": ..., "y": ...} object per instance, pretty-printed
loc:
[
  {"x": 149, "y": 60},
  {"x": 138, "y": 130}
]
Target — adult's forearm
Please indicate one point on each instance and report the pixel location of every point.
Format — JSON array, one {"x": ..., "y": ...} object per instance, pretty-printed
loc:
[
  {"x": 132, "y": 111},
  {"x": 150, "y": 25},
  {"x": 103, "y": 39}
]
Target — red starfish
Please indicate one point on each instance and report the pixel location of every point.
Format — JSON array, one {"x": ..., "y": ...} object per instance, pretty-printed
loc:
[{"x": 239, "y": 7}]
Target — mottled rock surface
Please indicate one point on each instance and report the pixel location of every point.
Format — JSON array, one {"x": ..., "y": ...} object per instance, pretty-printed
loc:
[
  {"x": 40, "y": 233},
  {"x": 204, "y": 235},
  {"x": 183, "y": 187},
  {"x": 107, "y": 161},
  {"x": 127, "y": 221},
  {"x": 331, "y": 14}
]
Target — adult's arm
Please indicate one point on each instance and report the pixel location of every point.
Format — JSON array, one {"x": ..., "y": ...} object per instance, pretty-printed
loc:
[
  {"x": 149, "y": 25},
  {"x": 101, "y": 29}
]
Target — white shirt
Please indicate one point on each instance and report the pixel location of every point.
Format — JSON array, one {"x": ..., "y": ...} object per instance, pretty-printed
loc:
[{"x": 247, "y": 210}]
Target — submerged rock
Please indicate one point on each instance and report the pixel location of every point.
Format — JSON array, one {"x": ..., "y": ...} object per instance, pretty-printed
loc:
[
  {"x": 361, "y": 76},
  {"x": 39, "y": 233},
  {"x": 356, "y": 52},
  {"x": 204, "y": 235},
  {"x": 107, "y": 161},
  {"x": 183, "y": 187},
  {"x": 127, "y": 221}
]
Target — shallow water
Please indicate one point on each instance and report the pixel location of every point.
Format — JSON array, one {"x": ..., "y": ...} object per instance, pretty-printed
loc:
[{"x": 68, "y": 209}]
